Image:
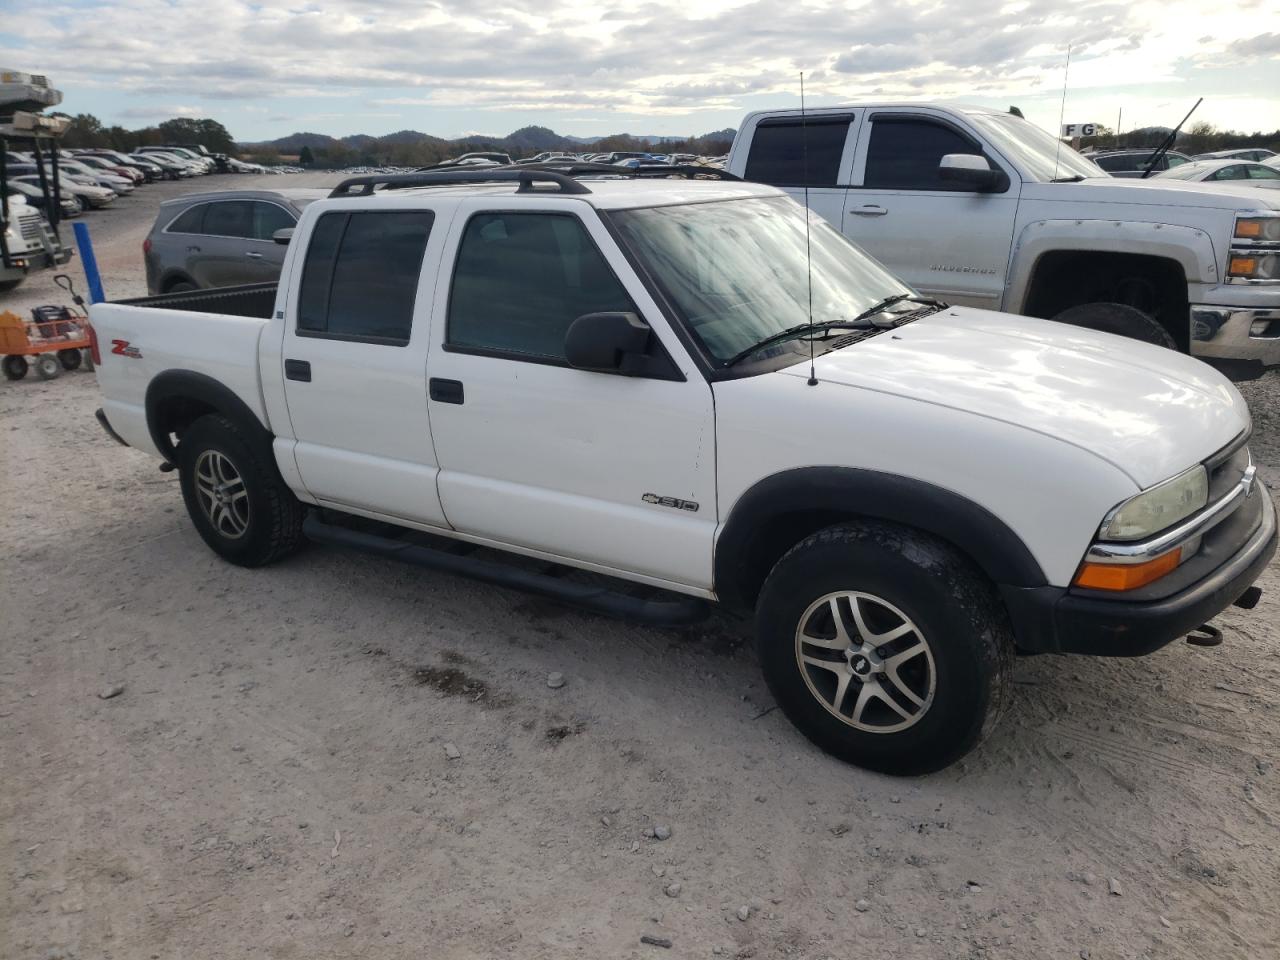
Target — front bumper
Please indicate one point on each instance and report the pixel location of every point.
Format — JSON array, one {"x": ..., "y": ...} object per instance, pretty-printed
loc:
[
  {"x": 1236, "y": 333},
  {"x": 1058, "y": 620}
]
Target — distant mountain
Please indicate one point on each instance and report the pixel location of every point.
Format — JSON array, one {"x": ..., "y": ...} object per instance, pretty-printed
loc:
[{"x": 526, "y": 140}]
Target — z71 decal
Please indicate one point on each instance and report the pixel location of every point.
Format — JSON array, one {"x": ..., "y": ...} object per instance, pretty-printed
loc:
[{"x": 122, "y": 348}]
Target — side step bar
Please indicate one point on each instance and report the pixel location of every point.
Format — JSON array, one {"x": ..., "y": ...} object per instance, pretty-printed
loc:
[{"x": 677, "y": 610}]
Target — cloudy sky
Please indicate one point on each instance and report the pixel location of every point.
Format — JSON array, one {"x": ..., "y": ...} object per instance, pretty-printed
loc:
[{"x": 266, "y": 68}]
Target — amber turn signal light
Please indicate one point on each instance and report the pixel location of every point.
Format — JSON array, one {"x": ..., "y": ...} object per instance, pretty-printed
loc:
[
  {"x": 1242, "y": 267},
  {"x": 1126, "y": 576}
]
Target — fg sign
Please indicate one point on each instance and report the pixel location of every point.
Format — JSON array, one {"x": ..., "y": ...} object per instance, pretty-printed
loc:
[{"x": 1072, "y": 130}]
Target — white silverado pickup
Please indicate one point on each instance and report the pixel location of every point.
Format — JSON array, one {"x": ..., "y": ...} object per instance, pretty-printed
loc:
[
  {"x": 986, "y": 209},
  {"x": 615, "y": 376}
]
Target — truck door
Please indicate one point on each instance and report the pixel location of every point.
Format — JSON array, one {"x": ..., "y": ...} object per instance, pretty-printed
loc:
[
  {"x": 947, "y": 243},
  {"x": 354, "y": 361},
  {"x": 792, "y": 152},
  {"x": 617, "y": 471}
]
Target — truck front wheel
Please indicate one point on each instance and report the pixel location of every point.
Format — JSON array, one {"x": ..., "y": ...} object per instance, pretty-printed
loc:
[
  {"x": 233, "y": 492},
  {"x": 1120, "y": 319},
  {"x": 885, "y": 647}
]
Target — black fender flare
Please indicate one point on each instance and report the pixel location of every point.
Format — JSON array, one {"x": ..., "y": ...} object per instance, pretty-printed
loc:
[
  {"x": 745, "y": 551},
  {"x": 206, "y": 391}
]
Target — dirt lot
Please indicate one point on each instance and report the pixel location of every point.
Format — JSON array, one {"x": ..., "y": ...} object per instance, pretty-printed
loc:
[{"x": 273, "y": 779}]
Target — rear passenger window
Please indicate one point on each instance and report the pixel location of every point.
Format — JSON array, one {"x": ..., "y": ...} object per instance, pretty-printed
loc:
[
  {"x": 522, "y": 278},
  {"x": 778, "y": 149},
  {"x": 229, "y": 218},
  {"x": 360, "y": 276},
  {"x": 904, "y": 153},
  {"x": 189, "y": 222},
  {"x": 268, "y": 218}
]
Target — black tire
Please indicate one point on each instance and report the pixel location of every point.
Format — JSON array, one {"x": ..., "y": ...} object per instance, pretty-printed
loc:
[
  {"x": 70, "y": 359},
  {"x": 15, "y": 367},
  {"x": 917, "y": 580},
  {"x": 7, "y": 285},
  {"x": 182, "y": 286},
  {"x": 47, "y": 366},
  {"x": 273, "y": 519},
  {"x": 1120, "y": 319}
]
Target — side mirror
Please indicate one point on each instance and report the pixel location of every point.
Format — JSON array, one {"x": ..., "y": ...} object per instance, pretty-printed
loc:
[
  {"x": 283, "y": 235},
  {"x": 969, "y": 171},
  {"x": 607, "y": 343}
]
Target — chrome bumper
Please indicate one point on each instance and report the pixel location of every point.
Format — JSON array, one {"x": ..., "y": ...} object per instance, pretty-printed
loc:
[{"x": 1236, "y": 333}]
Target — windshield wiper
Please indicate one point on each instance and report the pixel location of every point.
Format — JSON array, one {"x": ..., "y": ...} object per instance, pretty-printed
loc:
[
  {"x": 860, "y": 322},
  {"x": 1076, "y": 179}
]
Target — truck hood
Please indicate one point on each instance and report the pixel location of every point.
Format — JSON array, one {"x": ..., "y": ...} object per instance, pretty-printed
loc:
[
  {"x": 1157, "y": 191},
  {"x": 1147, "y": 410}
]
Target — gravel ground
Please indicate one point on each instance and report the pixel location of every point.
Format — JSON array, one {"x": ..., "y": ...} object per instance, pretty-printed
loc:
[{"x": 340, "y": 756}]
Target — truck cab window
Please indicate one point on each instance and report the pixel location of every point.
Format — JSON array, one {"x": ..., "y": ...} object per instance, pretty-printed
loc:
[
  {"x": 904, "y": 153},
  {"x": 360, "y": 277},
  {"x": 778, "y": 150},
  {"x": 521, "y": 279}
]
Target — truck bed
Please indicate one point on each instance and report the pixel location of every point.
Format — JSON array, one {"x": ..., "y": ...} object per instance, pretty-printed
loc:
[{"x": 255, "y": 300}]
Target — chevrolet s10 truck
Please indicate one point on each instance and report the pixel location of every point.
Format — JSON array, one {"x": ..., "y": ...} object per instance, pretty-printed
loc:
[{"x": 695, "y": 392}]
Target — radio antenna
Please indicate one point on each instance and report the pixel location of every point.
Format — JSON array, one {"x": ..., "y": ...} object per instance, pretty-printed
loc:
[
  {"x": 1062, "y": 112},
  {"x": 808, "y": 248}
]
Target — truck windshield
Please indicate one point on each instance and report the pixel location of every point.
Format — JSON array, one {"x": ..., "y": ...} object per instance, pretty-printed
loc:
[
  {"x": 1039, "y": 153},
  {"x": 737, "y": 271}
]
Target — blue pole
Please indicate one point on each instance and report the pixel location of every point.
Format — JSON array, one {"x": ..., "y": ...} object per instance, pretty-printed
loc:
[{"x": 89, "y": 262}]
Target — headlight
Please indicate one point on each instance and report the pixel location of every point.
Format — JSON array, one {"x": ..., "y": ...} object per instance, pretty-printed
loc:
[
  {"x": 1258, "y": 228},
  {"x": 1158, "y": 508},
  {"x": 1254, "y": 266}
]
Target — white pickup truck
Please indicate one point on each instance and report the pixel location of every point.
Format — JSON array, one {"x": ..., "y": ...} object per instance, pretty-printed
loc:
[
  {"x": 656, "y": 382},
  {"x": 986, "y": 209}
]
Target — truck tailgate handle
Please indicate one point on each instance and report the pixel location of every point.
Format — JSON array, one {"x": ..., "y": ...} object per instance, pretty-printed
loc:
[
  {"x": 869, "y": 210},
  {"x": 445, "y": 391},
  {"x": 297, "y": 370}
]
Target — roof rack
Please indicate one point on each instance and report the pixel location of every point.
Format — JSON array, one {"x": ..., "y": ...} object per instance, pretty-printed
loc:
[
  {"x": 435, "y": 178},
  {"x": 583, "y": 168}
]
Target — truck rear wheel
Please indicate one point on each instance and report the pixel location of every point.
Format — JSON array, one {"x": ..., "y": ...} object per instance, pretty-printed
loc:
[
  {"x": 885, "y": 647},
  {"x": 1120, "y": 319},
  {"x": 239, "y": 504}
]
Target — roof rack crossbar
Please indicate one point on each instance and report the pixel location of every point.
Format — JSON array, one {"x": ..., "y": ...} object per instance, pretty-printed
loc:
[
  {"x": 582, "y": 168},
  {"x": 434, "y": 178}
]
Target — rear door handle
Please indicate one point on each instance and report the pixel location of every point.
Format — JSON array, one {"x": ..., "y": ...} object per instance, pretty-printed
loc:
[
  {"x": 869, "y": 210},
  {"x": 299, "y": 370},
  {"x": 445, "y": 391},
  {"x": 255, "y": 256}
]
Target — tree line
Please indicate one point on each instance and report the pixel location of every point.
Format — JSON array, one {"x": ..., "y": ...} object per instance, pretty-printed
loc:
[
  {"x": 87, "y": 131},
  {"x": 1199, "y": 137}
]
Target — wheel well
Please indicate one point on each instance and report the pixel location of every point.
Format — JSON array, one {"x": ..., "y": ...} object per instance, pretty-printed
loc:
[
  {"x": 177, "y": 398},
  {"x": 174, "y": 414},
  {"x": 1155, "y": 285},
  {"x": 779, "y": 511}
]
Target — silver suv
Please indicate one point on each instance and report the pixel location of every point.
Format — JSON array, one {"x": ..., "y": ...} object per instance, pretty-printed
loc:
[{"x": 221, "y": 239}]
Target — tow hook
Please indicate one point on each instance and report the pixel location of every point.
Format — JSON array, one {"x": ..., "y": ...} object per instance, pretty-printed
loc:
[
  {"x": 1249, "y": 599},
  {"x": 1205, "y": 635}
]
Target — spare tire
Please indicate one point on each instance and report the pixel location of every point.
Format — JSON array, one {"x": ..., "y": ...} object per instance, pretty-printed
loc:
[{"x": 1120, "y": 319}]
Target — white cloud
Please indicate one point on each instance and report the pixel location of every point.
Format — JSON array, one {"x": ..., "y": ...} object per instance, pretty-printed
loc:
[{"x": 656, "y": 58}]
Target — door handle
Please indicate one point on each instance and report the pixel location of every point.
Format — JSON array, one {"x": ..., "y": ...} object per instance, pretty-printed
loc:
[
  {"x": 193, "y": 249},
  {"x": 869, "y": 210},
  {"x": 445, "y": 391},
  {"x": 299, "y": 370},
  {"x": 253, "y": 255}
]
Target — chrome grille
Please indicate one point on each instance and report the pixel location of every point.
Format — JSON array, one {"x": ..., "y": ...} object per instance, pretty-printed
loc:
[{"x": 30, "y": 223}]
